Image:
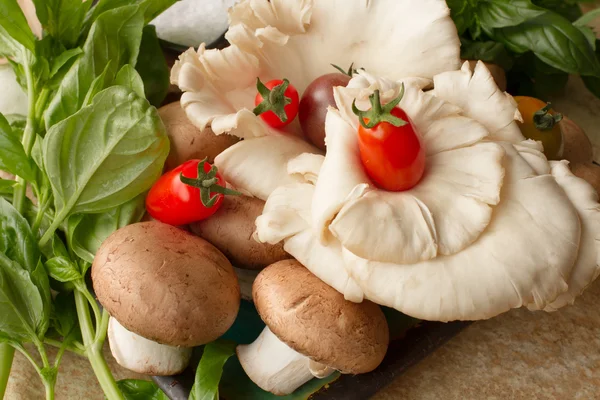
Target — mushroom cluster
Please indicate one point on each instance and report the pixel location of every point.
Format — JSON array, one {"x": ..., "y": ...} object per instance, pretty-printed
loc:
[
  {"x": 492, "y": 225},
  {"x": 311, "y": 331},
  {"x": 167, "y": 291}
]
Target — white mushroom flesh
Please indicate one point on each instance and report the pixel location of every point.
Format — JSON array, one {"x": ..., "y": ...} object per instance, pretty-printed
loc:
[
  {"x": 276, "y": 367},
  {"x": 144, "y": 356}
]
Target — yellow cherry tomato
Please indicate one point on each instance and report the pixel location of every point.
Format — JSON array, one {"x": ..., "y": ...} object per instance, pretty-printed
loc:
[{"x": 540, "y": 123}]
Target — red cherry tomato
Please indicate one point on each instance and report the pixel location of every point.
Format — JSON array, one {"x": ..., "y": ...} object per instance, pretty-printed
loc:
[
  {"x": 174, "y": 202},
  {"x": 276, "y": 102},
  {"x": 393, "y": 156}
]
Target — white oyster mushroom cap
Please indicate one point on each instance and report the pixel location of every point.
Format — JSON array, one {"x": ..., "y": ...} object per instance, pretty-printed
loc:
[
  {"x": 491, "y": 226},
  {"x": 480, "y": 98},
  {"x": 532, "y": 243},
  {"x": 585, "y": 199},
  {"x": 284, "y": 39},
  {"x": 144, "y": 356},
  {"x": 443, "y": 214},
  {"x": 271, "y": 170}
]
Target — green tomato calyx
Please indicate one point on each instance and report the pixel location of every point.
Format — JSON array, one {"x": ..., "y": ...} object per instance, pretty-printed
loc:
[
  {"x": 544, "y": 121},
  {"x": 274, "y": 100},
  {"x": 378, "y": 112},
  {"x": 351, "y": 71},
  {"x": 207, "y": 182}
]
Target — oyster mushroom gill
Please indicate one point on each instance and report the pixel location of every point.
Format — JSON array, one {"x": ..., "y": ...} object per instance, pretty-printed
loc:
[{"x": 491, "y": 226}]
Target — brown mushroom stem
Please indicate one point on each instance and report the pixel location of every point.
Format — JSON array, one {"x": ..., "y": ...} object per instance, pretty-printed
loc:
[
  {"x": 144, "y": 356},
  {"x": 277, "y": 368}
]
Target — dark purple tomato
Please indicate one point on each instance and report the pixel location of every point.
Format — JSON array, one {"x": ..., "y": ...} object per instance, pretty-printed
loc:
[{"x": 313, "y": 106}]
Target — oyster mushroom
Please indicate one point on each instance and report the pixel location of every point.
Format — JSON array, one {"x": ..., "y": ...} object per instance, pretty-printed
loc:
[
  {"x": 167, "y": 291},
  {"x": 311, "y": 331},
  {"x": 437, "y": 251},
  {"x": 280, "y": 38}
]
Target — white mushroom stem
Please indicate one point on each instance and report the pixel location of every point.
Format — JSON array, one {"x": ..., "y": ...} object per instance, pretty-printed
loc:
[
  {"x": 144, "y": 356},
  {"x": 276, "y": 367},
  {"x": 246, "y": 278}
]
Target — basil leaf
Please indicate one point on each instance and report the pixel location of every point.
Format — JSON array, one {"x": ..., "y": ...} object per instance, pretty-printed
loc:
[
  {"x": 90, "y": 230},
  {"x": 8, "y": 46},
  {"x": 55, "y": 248},
  {"x": 39, "y": 277},
  {"x": 114, "y": 38},
  {"x": 152, "y": 8},
  {"x": 13, "y": 22},
  {"x": 16, "y": 239},
  {"x": 589, "y": 35},
  {"x": 532, "y": 77},
  {"x": 210, "y": 370},
  {"x": 6, "y": 186},
  {"x": 491, "y": 52},
  {"x": 503, "y": 13},
  {"x": 98, "y": 85},
  {"x": 152, "y": 67},
  {"x": 567, "y": 8},
  {"x": 117, "y": 145},
  {"x": 128, "y": 77},
  {"x": 555, "y": 41},
  {"x": 21, "y": 304},
  {"x": 62, "y": 269},
  {"x": 136, "y": 389},
  {"x": 12, "y": 155},
  {"x": 18, "y": 245},
  {"x": 463, "y": 14},
  {"x": 64, "y": 59},
  {"x": 62, "y": 19},
  {"x": 64, "y": 316},
  {"x": 17, "y": 123}
]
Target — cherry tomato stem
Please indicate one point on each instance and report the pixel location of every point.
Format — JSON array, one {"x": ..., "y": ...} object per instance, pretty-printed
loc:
[
  {"x": 544, "y": 121},
  {"x": 276, "y": 102},
  {"x": 540, "y": 123},
  {"x": 378, "y": 113}
]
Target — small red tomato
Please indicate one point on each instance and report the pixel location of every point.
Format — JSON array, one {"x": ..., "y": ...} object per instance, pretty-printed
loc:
[
  {"x": 191, "y": 192},
  {"x": 276, "y": 102},
  {"x": 390, "y": 147}
]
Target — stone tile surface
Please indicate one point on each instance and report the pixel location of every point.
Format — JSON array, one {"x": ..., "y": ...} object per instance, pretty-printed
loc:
[
  {"x": 76, "y": 380},
  {"x": 518, "y": 355}
]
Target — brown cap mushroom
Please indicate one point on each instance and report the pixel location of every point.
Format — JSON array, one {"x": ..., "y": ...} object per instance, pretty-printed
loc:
[
  {"x": 189, "y": 142},
  {"x": 589, "y": 172},
  {"x": 577, "y": 146},
  {"x": 231, "y": 230},
  {"x": 166, "y": 285},
  {"x": 311, "y": 331}
]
